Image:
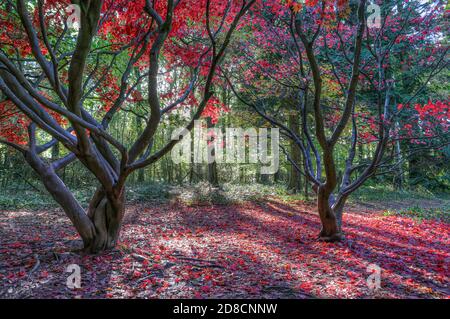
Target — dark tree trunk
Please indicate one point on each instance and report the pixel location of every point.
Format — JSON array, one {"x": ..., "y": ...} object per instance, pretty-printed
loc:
[
  {"x": 398, "y": 174},
  {"x": 141, "y": 177},
  {"x": 414, "y": 170},
  {"x": 212, "y": 174},
  {"x": 55, "y": 151},
  {"x": 277, "y": 177}
]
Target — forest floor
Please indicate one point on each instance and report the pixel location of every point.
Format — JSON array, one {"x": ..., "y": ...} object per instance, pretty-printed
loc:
[{"x": 264, "y": 249}]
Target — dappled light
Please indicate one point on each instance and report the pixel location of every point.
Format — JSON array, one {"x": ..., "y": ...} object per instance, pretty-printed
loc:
[{"x": 252, "y": 250}]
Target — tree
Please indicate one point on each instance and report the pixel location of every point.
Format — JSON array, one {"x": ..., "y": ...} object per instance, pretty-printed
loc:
[
  {"x": 50, "y": 75},
  {"x": 338, "y": 71}
]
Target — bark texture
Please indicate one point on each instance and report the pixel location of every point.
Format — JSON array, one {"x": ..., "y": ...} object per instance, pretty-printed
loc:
[
  {"x": 330, "y": 217},
  {"x": 106, "y": 213}
]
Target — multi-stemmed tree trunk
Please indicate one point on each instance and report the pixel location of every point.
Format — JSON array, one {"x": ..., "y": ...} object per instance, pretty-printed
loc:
[
  {"x": 307, "y": 41},
  {"x": 87, "y": 140}
]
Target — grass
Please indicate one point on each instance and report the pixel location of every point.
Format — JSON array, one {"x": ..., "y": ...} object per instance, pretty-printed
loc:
[
  {"x": 381, "y": 193},
  {"x": 206, "y": 194},
  {"x": 198, "y": 194},
  {"x": 25, "y": 200},
  {"x": 20, "y": 198},
  {"x": 418, "y": 213}
]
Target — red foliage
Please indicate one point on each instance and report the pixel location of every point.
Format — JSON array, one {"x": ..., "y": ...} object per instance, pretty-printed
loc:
[
  {"x": 214, "y": 109},
  {"x": 424, "y": 122},
  {"x": 12, "y": 124}
]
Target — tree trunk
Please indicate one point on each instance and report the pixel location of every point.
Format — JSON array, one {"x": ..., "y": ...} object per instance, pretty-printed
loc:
[
  {"x": 106, "y": 213},
  {"x": 213, "y": 177},
  {"x": 277, "y": 177},
  {"x": 414, "y": 170},
  {"x": 62, "y": 195},
  {"x": 331, "y": 219},
  {"x": 295, "y": 183},
  {"x": 212, "y": 174},
  {"x": 55, "y": 151},
  {"x": 398, "y": 174},
  {"x": 141, "y": 177},
  {"x": 99, "y": 229},
  {"x": 338, "y": 212}
]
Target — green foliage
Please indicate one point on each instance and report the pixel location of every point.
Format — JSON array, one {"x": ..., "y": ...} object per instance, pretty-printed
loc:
[
  {"x": 149, "y": 192},
  {"x": 196, "y": 194},
  {"x": 25, "y": 200},
  {"x": 204, "y": 193},
  {"x": 439, "y": 214},
  {"x": 383, "y": 192},
  {"x": 19, "y": 198}
]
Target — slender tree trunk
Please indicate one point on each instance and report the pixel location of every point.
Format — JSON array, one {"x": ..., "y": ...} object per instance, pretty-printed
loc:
[
  {"x": 212, "y": 174},
  {"x": 213, "y": 178},
  {"x": 295, "y": 184},
  {"x": 141, "y": 172},
  {"x": 100, "y": 227},
  {"x": 306, "y": 185},
  {"x": 141, "y": 176},
  {"x": 55, "y": 151},
  {"x": 277, "y": 177},
  {"x": 414, "y": 170},
  {"x": 398, "y": 174}
]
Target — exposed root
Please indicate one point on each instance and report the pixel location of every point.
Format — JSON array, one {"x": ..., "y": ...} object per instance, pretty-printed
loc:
[{"x": 332, "y": 238}]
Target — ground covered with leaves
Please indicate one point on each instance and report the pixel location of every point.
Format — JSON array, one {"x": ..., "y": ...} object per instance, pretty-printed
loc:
[{"x": 249, "y": 250}]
